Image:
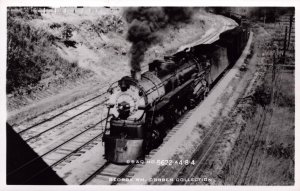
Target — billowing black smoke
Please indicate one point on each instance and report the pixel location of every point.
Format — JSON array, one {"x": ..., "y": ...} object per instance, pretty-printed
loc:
[{"x": 145, "y": 25}]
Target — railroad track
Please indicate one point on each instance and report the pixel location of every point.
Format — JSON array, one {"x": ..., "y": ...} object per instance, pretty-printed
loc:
[
  {"x": 37, "y": 131},
  {"x": 109, "y": 174},
  {"x": 251, "y": 150},
  {"x": 64, "y": 125},
  {"x": 73, "y": 147},
  {"x": 21, "y": 129}
]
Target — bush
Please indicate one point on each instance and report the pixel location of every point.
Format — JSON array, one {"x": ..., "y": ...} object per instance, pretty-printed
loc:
[
  {"x": 67, "y": 31},
  {"x": 26, "y": 13},
  {"x": 22, "y": 70},
  {"x": 262, "y": 95}
]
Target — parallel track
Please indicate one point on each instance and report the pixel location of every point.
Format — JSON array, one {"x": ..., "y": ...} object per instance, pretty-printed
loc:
[
  {"x": 37, "y": 134},
  {"x": 52, "y": 117},
  {"x": 109, "y": 174},
  {"x": 64, "y": 146},
  {"x": 251, "y": 150},
  {"x": 202, "y": 153}
]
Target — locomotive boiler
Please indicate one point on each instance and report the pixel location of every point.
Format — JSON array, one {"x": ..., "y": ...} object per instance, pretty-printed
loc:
[{"x": 143, "y": 107}]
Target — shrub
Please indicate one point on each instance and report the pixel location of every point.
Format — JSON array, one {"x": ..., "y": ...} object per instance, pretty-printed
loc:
[
  {"x": 262, "y": 95},
  {"x": 26, "y": 13},
  {"x": 67, "y": 31}
]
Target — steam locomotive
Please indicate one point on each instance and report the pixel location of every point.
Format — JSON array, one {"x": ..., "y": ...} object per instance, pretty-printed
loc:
[{"x": 143, "y": 107}]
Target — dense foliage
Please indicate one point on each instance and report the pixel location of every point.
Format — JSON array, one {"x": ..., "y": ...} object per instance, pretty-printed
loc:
[{"x": 31, "y": 55}]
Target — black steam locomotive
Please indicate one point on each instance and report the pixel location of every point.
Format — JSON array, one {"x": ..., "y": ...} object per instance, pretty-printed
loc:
[{"x": 143, "y": 107}]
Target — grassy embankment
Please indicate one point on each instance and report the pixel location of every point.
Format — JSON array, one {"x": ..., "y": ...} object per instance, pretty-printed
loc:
[
  {"x": 38, "y": 52},
  {"x": 264, "y": 152},
  {"x": 31, "y": 55}
]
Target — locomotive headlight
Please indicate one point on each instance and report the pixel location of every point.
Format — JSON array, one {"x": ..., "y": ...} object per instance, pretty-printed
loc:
[{"x": 124, "y": 110}]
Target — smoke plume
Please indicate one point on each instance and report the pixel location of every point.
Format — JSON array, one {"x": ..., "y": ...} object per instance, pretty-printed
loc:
[{"x": 145, "y": 25}]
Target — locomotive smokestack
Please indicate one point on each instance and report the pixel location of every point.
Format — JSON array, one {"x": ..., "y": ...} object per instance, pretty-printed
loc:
[
  {"x": 146, "y": 25},
  {"x": 136, "y": 75}
]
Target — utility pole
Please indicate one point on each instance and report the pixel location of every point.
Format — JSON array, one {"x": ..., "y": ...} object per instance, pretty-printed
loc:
[
  {"x": 291, "y": 23},
  {"x": 265, "y": 16},
  {"x": 284, "y": 46},
  {"x": 273, "y": 79}
]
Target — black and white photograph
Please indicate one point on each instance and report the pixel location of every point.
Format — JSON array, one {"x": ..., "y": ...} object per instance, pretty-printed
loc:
[{"x": 149, "y": 95}]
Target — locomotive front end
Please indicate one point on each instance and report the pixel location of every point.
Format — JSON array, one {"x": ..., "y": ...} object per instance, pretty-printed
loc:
[{"x": 125, "y": 132}]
